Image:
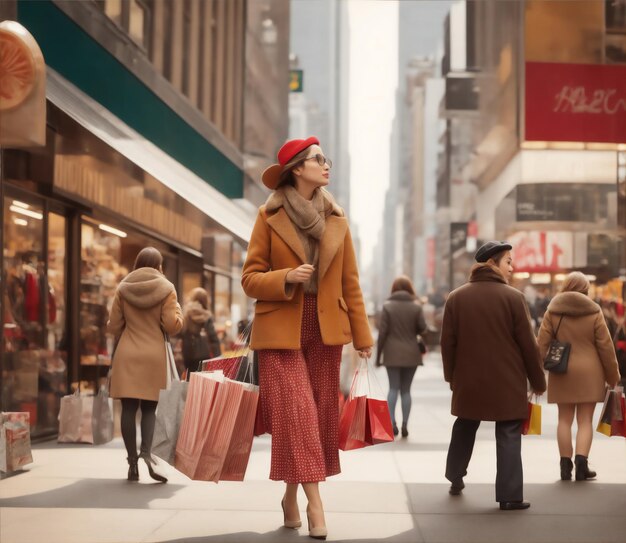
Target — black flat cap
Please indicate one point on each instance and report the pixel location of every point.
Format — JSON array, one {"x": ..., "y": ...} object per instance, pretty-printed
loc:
[{"x": 486, "y": 251}]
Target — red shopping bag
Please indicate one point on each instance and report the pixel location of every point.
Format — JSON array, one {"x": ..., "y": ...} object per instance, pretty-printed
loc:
[
  {"x": 618, "y": 426},
  {"x": 259, "y": 422},
  {"x": 378, "y": 428},
  {"x": 532, "y": 424},
  {"x": 229, "y": 365},
  {"x": 194, "y": 428},
  {"x": 352, "y": 424},
  {"x": 238, "y": 453}
]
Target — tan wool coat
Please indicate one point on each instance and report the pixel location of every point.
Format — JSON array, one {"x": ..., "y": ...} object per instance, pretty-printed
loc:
[
  {"x": 592, "y": 361},
  {"x": 144, "y": 306},
  {"x": 489, "y": 349},
  {"x": 274, "y": 250}
]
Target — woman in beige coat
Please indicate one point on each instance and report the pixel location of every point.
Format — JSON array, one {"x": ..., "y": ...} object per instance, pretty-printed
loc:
[
  {"x": 592, "y": 364},
  {"x": 145, "y": 305}
]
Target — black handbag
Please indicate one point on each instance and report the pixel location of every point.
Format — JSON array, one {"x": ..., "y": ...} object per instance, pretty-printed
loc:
[{"x": 557, "y": 356}]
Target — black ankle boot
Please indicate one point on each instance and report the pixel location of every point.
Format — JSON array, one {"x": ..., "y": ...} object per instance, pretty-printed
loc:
[
  {"x": 395, "y": 429},
  {"x": 582, "y": 468},
  {"x": 405, "y": 432},
  {"x": 133, "y": 470},
  {"x": 149, "y": 462},
  {"x": 566, "y": 469}
]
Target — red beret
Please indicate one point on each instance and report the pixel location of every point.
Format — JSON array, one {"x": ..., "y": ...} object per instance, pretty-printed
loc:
[{"x": 271, "y": 176}]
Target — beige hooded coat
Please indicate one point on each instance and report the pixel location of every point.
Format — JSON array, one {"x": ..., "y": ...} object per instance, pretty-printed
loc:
[
  {"x": 592, "y": 362},
  {"x": 144, "y": 306}
]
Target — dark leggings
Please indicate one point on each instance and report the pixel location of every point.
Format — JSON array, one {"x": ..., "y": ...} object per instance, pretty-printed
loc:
[
  {"x": 129, "y": 425},
  {"x": 400, "y": 379}
]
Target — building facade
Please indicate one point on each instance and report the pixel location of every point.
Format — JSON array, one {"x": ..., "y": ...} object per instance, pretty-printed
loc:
[
  {"x": 146, "y": 144},
  {"x": 544, "y": 102}
]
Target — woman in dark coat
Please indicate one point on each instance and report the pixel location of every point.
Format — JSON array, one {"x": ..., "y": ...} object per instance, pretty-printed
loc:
[
  {"x": 200, "y": 341},
  {"x": 398, "y": 349},
  {"x": 489, "y": 353}
]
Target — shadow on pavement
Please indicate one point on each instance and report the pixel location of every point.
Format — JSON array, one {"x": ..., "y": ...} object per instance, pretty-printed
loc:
[{"x": 96, "y": 494}]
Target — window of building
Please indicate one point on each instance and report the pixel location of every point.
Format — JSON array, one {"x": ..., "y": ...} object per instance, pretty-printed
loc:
[
  {"x": 132, "y": 16},
  {"x": 34, "y": 369},
  {"x": 615, "y": 40}
]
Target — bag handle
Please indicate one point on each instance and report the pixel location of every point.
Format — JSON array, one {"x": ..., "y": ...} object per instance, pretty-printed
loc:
[
  {"x": 169, "y": 355},
  {"x": 557, "y": 327}
]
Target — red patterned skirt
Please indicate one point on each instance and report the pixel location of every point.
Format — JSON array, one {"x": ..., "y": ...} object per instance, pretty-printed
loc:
[{"x": 299, "y": 402}]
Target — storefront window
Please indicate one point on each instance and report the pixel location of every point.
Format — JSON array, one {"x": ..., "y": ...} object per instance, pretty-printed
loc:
[
  {"x": 102, "y": 270},
  {"x": 34, "y": 369}
]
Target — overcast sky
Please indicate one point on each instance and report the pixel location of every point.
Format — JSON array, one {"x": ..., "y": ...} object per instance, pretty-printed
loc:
[{"x": 373, "y": 80}]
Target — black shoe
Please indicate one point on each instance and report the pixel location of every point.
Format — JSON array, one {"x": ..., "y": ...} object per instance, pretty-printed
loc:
[
  {"x": 395, "y": 430},
  {"x": 566, "y": 469},
  {"x": 514, "y": 506},
  {"x": 149, "y": 462},
  {"x": 133, "y": 470},
  {"x": 456, "y": 488},
  {"x": 405, "y": 432},
  {"x": 582, "y": 468}
]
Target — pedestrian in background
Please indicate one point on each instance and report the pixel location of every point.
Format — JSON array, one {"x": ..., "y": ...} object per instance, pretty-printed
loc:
[
  {"x": 572, "y": 317},
  {"x": 489, "y": 353},
  {"x": 144, "y": 307},
  {"x": 398, "y": 347},
  {"x": 200, "y": 341},
  {"x": 302, "y": 270}
]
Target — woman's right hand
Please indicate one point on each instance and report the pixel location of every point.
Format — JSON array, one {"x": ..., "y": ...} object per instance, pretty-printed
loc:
[{"x": 301, "y": 274}]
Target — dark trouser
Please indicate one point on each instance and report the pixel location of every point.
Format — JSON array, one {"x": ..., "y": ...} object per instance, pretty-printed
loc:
[
  {"x": 510, "y": 476},
  {"x": 129, "y": 428},
  {"x": 400, "y": 379}
]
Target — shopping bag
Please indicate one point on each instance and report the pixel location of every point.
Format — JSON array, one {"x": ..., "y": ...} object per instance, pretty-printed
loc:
[
  {"x": 378, "y": 428},
  {"x": 75, "y": 419},
  {"x": 208, "y": 424},
  {"x": 195, "y": 423},
  {"x": 229, "y": 365},
  {"x": 606, "y": 415},
  {"x": 352, "y": 424},
  {"x": 618, "y": 425},
  {"x": 532, "y": 424},
  {"x": 238, "y": 453},
  {"x": 169, "y": 417},
  {"x": 102, "y": 418},
  {"x": 259, "y": 421},
  {"x": 15, "y": 449}
]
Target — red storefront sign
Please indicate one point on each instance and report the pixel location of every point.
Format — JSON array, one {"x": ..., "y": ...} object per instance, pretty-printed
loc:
[
  {"x": 538, "y": 252},
  {"x": 575, "y": 102}
]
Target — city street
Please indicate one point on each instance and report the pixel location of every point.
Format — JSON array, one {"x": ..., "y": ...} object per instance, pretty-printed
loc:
[{"x": 393, "y": 492}]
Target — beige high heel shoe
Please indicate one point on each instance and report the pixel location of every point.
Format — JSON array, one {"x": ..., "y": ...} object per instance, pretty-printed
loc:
[
  {"x": 316, "y": 533},
  {"x": 292, "y": 524}
]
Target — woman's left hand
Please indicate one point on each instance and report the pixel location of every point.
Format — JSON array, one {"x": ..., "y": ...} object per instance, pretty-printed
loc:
[{"x": 365, "y": 353}]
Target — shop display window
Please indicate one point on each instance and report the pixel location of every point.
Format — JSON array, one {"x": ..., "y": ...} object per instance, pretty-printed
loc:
[
  {"x": 34, "y": 369},
  {"x": 101, "y": 271}
]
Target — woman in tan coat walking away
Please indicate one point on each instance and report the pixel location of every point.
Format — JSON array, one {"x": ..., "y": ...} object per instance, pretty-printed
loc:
[
  {"x": 592, "y": 364},
  {"x": 145, "y": 306}
]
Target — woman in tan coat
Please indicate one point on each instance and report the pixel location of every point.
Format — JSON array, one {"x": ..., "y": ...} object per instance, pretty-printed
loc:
[
  {"x": 592, "y": 364},
  {"x": 301, "y": 268},
  {"x": 145, "y": 306}
]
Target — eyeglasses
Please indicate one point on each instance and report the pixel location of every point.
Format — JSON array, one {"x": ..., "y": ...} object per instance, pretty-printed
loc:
[{"x": 321, "y": 160}]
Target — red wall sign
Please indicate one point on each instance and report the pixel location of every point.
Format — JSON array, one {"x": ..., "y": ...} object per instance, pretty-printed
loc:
[{"x": 575, "y": 102}]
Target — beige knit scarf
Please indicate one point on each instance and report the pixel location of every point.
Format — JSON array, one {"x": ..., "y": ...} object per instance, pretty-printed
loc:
[{"x": 309, "y": 218}]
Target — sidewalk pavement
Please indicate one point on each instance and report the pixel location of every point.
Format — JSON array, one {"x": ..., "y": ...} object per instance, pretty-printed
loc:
[{"x": 393, "y": 492}]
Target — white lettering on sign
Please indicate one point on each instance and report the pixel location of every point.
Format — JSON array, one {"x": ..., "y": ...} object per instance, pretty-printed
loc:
[
  {"x": 542, "y": 251},
  {"x": 579, "y": 100}
]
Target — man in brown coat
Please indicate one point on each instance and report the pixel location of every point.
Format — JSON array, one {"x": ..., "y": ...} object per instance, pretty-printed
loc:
[{"x": 489, "y": 352}]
